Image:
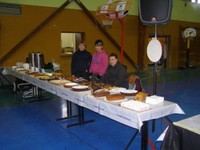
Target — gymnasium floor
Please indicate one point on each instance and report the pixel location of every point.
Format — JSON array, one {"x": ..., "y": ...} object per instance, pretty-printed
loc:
[{"x": 33, "y": 126}]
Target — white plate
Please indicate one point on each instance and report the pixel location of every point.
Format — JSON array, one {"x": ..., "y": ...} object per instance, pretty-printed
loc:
[
  {"x": 71, "y": 84},
  {"x": 80, "y": 87},
  {"x": 117, "y": 90},
  {"x": 129, "y": 91}
]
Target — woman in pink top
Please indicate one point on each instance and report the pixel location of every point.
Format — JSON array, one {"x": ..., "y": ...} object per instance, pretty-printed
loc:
[{"x": 99, "y": 62}]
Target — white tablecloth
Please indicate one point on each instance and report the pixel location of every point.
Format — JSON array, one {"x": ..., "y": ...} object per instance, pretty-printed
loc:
[{"x": 111, "y": 110}]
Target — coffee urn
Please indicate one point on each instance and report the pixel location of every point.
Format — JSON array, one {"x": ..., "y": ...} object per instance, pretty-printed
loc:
[
  {"x": 31, "y": 59},
  {"x": 39, "y": 60}
]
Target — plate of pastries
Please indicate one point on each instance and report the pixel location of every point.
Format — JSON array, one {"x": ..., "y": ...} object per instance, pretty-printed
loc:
[
  {"x": 129, "y": 92},
  {"x": 59, "y": 82},
  {"x": 70, "y": 84},
  {"x": 101, "y": 93}
]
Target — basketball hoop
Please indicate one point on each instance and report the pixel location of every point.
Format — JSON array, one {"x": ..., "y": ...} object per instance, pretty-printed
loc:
[
  {"x": 106, "y": 22},
  {"x": 111, "y": 10}
]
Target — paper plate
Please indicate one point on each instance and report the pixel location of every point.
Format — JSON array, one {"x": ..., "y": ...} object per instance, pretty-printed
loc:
[
  {"x": 117, "y": 90},
  {"x": 129, "y": 91},
  {"x": 71, "y": 84},
  {"x": 80, "y": 87},
  {"x": 154, "y": 50}
]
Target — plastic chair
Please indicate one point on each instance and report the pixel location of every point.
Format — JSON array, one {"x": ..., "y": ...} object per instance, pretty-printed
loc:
[
  {"x": 135, "y": 83},
  {"x": 25, "y": 89}
]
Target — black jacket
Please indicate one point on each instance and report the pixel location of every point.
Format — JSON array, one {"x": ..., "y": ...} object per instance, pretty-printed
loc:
[
  {"x": 80, "y": 64},
  {"x": 116, "y": 76}
]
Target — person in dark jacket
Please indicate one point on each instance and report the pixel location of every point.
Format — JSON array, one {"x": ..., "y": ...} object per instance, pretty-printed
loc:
[
  {"x": 116, "y": 73},
  {"x": 81, "y": 61}
]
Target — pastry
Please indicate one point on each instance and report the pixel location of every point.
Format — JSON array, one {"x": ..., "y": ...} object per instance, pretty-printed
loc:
[
  {"x": 141, "y": 96},
  {"x": 101, "y": 93},
  {"x": 57, "y": 74},
  {"x": 114, "y": 97},
  {"x": 59, "y": 82}
]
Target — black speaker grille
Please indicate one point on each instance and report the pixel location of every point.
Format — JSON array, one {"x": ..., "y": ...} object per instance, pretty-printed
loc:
[{"x": 158, "y": 9}]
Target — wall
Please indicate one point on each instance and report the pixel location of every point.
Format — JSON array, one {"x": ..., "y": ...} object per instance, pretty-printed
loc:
[
  {"x": 183, "y": 10},
  {"x": 47, "y": 40},
  {"x": 172, "y": 30}
]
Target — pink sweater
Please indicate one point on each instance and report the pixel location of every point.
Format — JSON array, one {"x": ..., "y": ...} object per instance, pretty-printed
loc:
[{"x": 99, "y": 62}]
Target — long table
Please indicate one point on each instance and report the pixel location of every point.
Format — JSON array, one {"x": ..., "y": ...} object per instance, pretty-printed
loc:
[
  {"x": 184, "y": 135},
  {"x": 131, "y": 118}
]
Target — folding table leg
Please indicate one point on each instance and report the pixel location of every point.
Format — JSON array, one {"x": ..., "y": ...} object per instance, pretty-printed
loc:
[
  {"x": 144, "y": 142},
  {"x": 80, "y": 118},
  {"x": 69, "y": 112},
  {"x": 131, "y": 140},
  {"x": 153, "y": 125}
]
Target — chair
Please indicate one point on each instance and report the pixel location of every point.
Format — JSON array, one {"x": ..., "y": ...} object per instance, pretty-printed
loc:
[
  {"x": 135, "y": 83},
  {"x": 25, "y": 89}
]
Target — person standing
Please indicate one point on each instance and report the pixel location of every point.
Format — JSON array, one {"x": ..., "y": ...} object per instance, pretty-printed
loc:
[
  {"x": 81, "y": 61},
  {"x": 116, "y": 73},
  {"x": 99, "y": 62}
]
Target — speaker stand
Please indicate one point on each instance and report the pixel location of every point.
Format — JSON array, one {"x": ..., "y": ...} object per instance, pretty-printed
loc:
[{"x": 155, "y": 69}]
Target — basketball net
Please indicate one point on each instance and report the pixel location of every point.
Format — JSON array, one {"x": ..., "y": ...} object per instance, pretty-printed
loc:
[
  {"x": 106, "y": 22},
  {"x": 112, "y": 10}
]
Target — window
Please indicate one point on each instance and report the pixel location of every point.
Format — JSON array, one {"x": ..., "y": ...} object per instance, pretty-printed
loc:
[
  {"x": 195, "y": 1},
  {"x": 10, "y": 9}
]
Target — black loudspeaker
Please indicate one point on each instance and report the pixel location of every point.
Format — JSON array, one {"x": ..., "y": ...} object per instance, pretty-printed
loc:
[{"x": 155, "y": 11}]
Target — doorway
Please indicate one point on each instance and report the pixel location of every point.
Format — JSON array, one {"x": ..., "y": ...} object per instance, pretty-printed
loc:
[{"x": 70, "y": 41}]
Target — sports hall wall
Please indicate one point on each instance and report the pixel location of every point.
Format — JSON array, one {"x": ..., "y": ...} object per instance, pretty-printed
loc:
[{"x": 47, "y": 40}]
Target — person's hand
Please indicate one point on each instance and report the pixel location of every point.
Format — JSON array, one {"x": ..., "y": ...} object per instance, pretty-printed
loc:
[
  {"x": 98, "y": 76},
  {"x": 90, "y": 75}
]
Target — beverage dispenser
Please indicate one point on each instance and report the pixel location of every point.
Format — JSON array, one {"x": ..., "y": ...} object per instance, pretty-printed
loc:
[
  {"x": 31, "y": 59},
  {"x": 39, "y": 60}
]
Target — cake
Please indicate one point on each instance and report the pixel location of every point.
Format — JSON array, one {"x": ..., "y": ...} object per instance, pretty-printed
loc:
[
  {"x": 101, "y": 93},
  {"x": 114, "y": 97}
]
